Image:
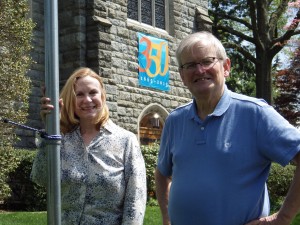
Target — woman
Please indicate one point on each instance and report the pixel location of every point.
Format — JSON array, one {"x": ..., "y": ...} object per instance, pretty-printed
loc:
[{"x": 103, "y": 177}]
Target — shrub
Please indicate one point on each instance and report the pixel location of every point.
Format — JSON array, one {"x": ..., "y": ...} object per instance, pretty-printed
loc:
[
  {"x": 278, "y": 184},
  {"x": 26, "y": 195},
  {"x": 8, "y": 163},
  {"x": 150, "y": 153}
]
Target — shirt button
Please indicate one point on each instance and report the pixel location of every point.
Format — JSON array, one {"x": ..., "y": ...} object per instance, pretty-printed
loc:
[{"x": 202, "y": 128}]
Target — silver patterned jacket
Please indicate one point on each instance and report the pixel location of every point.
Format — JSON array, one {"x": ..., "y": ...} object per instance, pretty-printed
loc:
[{"x": 103, "y": 183}]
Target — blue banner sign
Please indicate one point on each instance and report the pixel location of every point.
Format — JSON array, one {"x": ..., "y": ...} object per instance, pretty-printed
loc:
[{"x": 153, "y": 62}]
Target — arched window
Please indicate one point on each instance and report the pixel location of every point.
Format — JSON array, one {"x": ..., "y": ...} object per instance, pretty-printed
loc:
[
  {"x": 151, "y": 122},
  {"x": 151, "y": 12}
]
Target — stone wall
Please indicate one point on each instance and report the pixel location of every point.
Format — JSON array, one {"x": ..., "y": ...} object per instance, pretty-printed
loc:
[{"x": 98, "y": 34}]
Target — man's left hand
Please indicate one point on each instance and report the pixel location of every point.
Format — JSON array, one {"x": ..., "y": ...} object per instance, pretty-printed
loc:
[{"x": 270, "y": 220}]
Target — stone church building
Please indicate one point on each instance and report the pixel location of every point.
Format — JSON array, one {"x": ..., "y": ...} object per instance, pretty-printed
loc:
[{"x": 104, "y": 35}]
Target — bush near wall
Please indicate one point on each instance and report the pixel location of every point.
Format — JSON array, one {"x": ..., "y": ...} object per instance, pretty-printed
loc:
[
  {"x": 24, "y": 195},
  {"x": 150, "y": 153},
  {"x": 278, "y": 184},
  {"x": 8, "y": 163}
]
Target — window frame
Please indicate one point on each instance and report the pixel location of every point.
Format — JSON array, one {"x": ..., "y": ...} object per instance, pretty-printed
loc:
[{"x": 153, "y": 15}]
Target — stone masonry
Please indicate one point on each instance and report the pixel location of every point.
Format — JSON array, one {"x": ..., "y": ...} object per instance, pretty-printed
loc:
[{"x": 98, "y": 34}]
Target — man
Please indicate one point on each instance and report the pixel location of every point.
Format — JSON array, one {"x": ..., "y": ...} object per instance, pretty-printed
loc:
[{"x": 216, "y": 151}]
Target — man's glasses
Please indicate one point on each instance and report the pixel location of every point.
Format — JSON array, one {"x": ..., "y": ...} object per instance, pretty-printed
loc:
[{"x": 205, "y": 64}]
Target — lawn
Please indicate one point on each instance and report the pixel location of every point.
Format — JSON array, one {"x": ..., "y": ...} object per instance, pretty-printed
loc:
[
  {"x": 152, "y": 217},
  {"x": 23, "y": 218}
]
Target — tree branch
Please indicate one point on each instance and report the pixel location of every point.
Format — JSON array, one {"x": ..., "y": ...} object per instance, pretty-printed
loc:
[
  {"x": 276, "y": 15},
  {"x": 253, "y": 18},
  {"x": 236, "y": 33},
  {"x": 226, "y": 16},
  {"x": 241, "y": 50},
  {"x": 289, "y": 33}
]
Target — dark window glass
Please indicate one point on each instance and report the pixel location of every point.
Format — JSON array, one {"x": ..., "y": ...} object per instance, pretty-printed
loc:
[
  {"x": 147, "y": 12},
  {"x": 160, "y": 14},
  {"x": 132, "y": 9}
]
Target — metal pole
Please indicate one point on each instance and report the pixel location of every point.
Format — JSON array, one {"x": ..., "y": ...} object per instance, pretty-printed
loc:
[{"x": 52, "y": 120}]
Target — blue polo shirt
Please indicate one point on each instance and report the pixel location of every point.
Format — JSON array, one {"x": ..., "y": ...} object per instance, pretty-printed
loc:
[{"x": 219, "y": 166}]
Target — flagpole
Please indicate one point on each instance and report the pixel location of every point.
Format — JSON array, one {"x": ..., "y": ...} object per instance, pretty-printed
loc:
[{"x": 52, "y": 120}]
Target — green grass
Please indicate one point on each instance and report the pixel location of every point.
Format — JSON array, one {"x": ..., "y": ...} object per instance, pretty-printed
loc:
[
  {"x": 152, "y": 217},
  {"x": 23, "y": 218}
]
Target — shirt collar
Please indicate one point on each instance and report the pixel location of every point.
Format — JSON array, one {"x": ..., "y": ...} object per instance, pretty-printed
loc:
[
  {"x": 109, "y": 126},
  {"x": 223, "y": 104},
  {"x": 220, "y": 109}
]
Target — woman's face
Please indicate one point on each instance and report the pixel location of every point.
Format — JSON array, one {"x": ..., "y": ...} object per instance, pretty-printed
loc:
[{"x": 88, "y": 102}]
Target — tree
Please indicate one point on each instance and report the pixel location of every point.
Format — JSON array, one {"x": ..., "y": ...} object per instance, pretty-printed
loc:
[
  {"x": 287, "y": 82},
  {"x": 241, "y": 79},
  {"x": 287, "y": 103},
  {"x": 15, "y": 45},
  {"x": 252, "y": 28}
]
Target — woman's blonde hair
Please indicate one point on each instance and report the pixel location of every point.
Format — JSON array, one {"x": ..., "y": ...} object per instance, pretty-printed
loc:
[{"x": 68, "y": 119}]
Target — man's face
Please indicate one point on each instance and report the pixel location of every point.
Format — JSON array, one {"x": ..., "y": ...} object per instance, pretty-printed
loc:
[{"x": 203, "y": 73}]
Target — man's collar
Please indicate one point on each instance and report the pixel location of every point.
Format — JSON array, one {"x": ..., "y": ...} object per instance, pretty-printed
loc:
[{"x": 220, "y": 109}]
